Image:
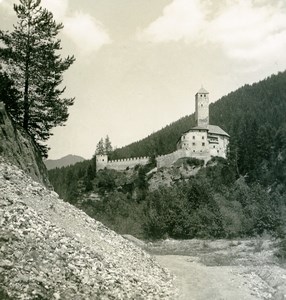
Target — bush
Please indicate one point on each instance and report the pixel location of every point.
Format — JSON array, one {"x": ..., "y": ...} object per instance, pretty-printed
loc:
[{"x": 281, "y": 252}]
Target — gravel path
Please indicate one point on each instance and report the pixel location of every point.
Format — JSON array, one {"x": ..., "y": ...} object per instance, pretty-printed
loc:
[{"x": 199, "y": 282}]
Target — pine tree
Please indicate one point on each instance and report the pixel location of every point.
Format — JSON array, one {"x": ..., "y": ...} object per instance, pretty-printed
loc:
[
  {"x": 100, "y": 149},
  {"x": 107, "y": 145},
  {"x": 30, "y": 57},
  {"x": 9, "y": 94}
]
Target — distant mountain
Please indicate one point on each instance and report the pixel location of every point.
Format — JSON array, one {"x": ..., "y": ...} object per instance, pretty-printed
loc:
[{"x": 63, "y": 162}]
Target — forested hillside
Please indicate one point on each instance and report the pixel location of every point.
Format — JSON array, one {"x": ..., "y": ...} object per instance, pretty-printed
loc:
[
  {"x": 253, "y": 115},
  {"x": 158, "y": 143},
  {"x": 241, "y": 196}
]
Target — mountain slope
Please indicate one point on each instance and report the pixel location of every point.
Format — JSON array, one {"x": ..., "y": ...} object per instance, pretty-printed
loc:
[
  {"x": 67, "y": 160},
  {"x": 253, "y": 115},
  {"x": 51, "y": 250}
]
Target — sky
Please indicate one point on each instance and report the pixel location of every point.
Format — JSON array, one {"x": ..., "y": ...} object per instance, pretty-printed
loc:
[{"x": 139, "y": 63}]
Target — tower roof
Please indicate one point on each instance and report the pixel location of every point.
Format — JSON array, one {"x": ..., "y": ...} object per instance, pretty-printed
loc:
[
  {"x": 202, "y": 91},
  {"x": 212, "y": 129}
]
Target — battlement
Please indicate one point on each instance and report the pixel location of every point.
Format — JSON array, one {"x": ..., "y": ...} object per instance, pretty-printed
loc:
[
  {"x": 120, "y": 164},
  {"x": 131, "y": 159}
]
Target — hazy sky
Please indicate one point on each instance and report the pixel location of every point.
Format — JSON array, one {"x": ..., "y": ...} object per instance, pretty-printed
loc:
[{"x": 139, "y": 63}]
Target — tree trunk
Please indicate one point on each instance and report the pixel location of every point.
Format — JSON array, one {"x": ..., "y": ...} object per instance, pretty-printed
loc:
[
  {"x": 26, "y": 101},
  {"x": 26, "y": 88}
]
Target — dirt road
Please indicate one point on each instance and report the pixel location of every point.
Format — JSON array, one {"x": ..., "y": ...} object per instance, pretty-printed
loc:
[{"x": 196, "y": 281}]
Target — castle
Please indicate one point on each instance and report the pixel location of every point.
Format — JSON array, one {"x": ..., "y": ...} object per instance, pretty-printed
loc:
[{"x": 203, "y": 141}]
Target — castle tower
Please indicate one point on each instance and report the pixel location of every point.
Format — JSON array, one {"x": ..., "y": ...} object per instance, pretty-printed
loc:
[
  {"x": 202, "y": 108},
  {"x": 101, "y": 161}
]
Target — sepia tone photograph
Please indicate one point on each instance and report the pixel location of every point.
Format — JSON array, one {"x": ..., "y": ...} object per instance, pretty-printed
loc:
[{"x": 142, "y": 149}]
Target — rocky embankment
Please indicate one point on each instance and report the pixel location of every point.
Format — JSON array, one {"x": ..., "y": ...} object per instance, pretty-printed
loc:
[
  {"x": 18, "y": 148},
  {"x": 166, "y": 177},
  {"x": 51, "y": 250}
]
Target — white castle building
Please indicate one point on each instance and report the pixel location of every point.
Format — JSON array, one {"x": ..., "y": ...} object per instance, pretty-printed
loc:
[
  {"x": 203, "y": 141},
  {"x": 204, "y": 138}
]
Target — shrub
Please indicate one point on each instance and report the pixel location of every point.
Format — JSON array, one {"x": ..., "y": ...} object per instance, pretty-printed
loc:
[{"x": 281, "y": 252}]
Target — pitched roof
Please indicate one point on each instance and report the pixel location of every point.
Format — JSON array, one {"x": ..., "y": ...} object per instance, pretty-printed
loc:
[
  {"x": 212, "y": 129},
  {"x": 216, "y": 130},
  {"x": 202, "y": 91}
]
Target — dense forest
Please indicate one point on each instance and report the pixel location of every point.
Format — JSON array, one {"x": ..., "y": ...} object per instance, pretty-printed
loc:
[{"x": 241, "y": 196}]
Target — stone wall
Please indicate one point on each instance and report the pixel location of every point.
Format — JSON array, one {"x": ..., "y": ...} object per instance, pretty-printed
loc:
[
  {"x": 168, "y": 159},
  {"x": 220, "y": 147},
  {"x": 120, "y": 164}
]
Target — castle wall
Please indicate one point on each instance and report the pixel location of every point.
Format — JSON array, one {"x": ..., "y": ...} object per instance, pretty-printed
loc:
[
  {"x": 123, "y": 164},
  {"x": 196, "y": 141},
  {"x": 168, "y": 159},
  {"x": 218, "y": 145}
]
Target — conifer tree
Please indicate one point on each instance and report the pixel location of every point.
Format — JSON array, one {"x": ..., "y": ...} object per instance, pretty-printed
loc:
[
  {"x": 30, "y": 57},
  {"x": 100, "y": 147},
  {"x": 107, "y": 145},
  {"x": 9, "y": 94}
]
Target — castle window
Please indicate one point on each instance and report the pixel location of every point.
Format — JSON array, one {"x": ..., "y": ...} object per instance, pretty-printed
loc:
[
  {"x": 217, "y": 151},
  {"x": 203, "y": 144},
  {"x": 204, "y": 95},
  {"x": 194, "y": 137},
  {"x": 203, "y": 137},
  {"x": 214, "y": 146},
  {"x": 193, "y": 150},
  {"x": 194, "y": 144},
  {"x": 201, "y": 105}
]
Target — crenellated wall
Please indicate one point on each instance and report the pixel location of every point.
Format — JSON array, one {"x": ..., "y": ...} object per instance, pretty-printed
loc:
[{"x": 122, "y": 164}]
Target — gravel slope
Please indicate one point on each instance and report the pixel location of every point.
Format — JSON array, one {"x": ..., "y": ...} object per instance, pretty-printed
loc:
[{"x": 51, "y": 250}]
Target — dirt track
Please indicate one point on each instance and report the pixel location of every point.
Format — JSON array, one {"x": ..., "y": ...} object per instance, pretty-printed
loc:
[{"x": 199, "y": 282}]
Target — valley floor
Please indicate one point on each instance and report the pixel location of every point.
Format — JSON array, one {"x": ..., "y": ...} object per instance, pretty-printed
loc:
[{"x": 223, "y": 269}]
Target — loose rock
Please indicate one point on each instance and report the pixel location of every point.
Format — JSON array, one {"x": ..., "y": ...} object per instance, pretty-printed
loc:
[{"x": 51, "y": 250}]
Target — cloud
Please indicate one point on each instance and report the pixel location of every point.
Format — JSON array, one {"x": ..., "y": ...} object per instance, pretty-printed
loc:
[
  {"x": 181, "y": 20},
  {"x": 87, "y": 33},
  {"x": 244, "y": 29}
]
